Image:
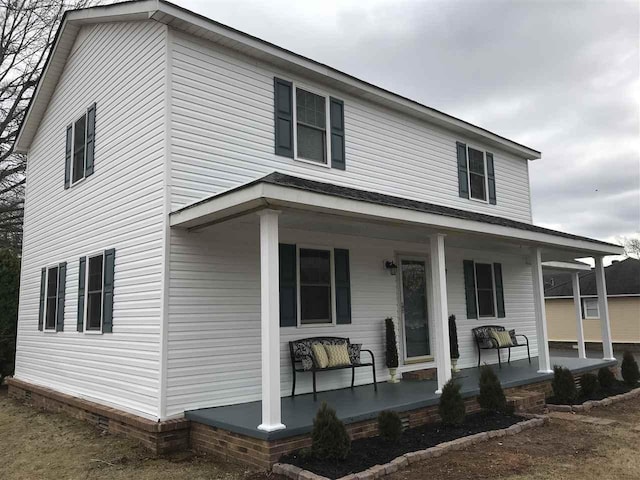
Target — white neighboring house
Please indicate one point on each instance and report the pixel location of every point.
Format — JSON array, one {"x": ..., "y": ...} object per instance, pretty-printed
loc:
[{"x": 197, "y": 197}]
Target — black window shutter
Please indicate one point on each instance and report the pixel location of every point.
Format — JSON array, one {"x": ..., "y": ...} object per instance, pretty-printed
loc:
[
  {"x": 283, "y": 104},
  {"x": 497, "y": 271},
  {"x": 43, "y": 280},
  {"x": 67, "y": 157},
  {"x": 91, "y": 140},
  {"x": 62, "y": 283},
  {"x": 343, "y": 286},
  {"x": 107, "y": 290},
  {"x": 337, "y": 134},
  {"x": 81, "y": 280},
  {"x": 491, "y": 177},
  {"x": 470, "y": 289},
  {"x": 463, "y": 173},
  {"x": 288, "y": 286}
]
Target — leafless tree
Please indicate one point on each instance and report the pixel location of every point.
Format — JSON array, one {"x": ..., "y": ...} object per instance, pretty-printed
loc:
[
  {"x": 27, "y": 32},
  {"x": 631, "y": 246}
]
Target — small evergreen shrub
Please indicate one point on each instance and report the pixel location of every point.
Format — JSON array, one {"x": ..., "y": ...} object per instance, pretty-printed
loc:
[
  {"x": 329, "y": 438},
  {"x": 491, "y": 394},
  {"x": 451, "y": 408},
  {"x": 606, "y": 378},
  {"x": 629, "y": 369},
  {"x": 392, "y": 345},
  {"x": 564, "y": 387},
  {"x": 588, "y": 384},
  {"x": 390, "y": 426}
]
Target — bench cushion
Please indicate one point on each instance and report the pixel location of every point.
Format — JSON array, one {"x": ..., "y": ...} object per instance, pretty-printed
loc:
[{"x": 338, "y": 355}]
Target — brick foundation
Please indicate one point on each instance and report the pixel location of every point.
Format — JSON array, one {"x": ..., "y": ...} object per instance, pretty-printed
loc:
[{"x": 159, "y": 437}]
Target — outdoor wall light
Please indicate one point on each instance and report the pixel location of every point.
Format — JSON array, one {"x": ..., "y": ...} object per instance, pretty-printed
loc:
[{"x": 391, "y": 266}]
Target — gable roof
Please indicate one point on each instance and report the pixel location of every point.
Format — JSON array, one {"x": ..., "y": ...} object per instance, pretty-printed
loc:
[
  {"x": 623, "y": 278},
  {"x": 182, "y": 19}
]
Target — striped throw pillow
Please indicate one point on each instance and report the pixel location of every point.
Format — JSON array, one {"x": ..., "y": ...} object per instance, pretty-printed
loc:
[
  {"x": 503, "y": 338},
  {"x": 320, "y": 355},
  {"x": 338, "y": 355}
]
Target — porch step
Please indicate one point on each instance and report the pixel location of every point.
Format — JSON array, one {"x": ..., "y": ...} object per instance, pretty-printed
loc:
[
  {"x": 527, "y": 401},
  {"x": 426, "y": 374}
]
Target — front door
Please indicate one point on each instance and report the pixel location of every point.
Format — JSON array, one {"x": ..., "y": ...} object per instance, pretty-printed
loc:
[{"x": 414, "y": 308}]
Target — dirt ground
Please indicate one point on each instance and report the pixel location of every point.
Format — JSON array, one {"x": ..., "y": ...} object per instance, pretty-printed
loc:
[{"x": 37, "y": 445}]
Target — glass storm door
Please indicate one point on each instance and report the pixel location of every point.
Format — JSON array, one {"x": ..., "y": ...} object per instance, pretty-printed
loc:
[{"x": 414, "y": 308}]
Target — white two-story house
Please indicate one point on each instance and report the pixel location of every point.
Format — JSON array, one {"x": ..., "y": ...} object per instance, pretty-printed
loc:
[{"x": 197, "y": 198}]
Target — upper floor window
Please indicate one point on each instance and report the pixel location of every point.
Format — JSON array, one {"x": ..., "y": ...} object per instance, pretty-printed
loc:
[
  {"x": 476, "y": 174},
  {"x": 80, "y": 146},
  {"x": 309, "y": 126},
  {"x": 590, "y": 308}
]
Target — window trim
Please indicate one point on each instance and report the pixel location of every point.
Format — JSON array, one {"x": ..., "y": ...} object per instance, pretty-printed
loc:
[
  {"x": 333, "y": 286},
  {"x": 327, "y": 128},
  {"x": 493, "y": 284},
  {"x": 585, "y": 310},
  {"x": 486, "y": 175},
  {"x": 86, "y": 330},
  {"x": 46, "y": 298}
]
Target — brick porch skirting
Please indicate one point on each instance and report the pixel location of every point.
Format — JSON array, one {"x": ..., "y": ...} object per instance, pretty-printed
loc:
[{"x": 159, "y": 437}]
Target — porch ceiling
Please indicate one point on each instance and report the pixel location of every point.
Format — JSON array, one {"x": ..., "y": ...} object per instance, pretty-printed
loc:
[{"x": 357, "y": 212}]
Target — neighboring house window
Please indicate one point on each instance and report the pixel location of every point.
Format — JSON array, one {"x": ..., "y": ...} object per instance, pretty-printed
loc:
[
  {"x": 80, "y": 147},
  {"x": 476, "y": 174},
  {"x": 51, "y": 299},
  {"x": 484, "y": 290},
  {"x": 590, "y": 308},
  {"x": 309, "y": 126},
  {"x": 95, "y": 292},
  {"x": 315, "y": 286}
]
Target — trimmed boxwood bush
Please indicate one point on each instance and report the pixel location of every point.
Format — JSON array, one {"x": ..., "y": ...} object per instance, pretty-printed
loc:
[
  {"x": 589, "y": 384},
  {"x": 389, "y": 426},
  {"x": 564, "y": 387},
  {"x": 392, "y": 346},
  {"x": 629, "y": 369},
  {"x": 606, "y": 378},
  {"x": 451, "y": 408},
  {"x": 329, "y": 437},
  {"x": 491, "y": 395}
]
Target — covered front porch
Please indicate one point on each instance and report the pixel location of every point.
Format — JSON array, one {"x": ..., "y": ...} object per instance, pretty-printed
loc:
[
  {"x": 245, "y": 228},
  {"x": 363, "y": 403}
]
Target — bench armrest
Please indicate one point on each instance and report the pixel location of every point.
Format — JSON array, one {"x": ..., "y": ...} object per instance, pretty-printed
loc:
[
  {"x": 521, "y": 335},
  {"x": 369, "y": 352}
]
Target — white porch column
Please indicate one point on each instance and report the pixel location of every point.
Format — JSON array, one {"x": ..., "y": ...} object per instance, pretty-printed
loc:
[
  {"x": 544, "y": 364},
  {"x": 603, "y": 306},
  {"x": 575, "y": 278},
  {"x": 270, "y": 321},
  {"x": 440, "y": 309}
]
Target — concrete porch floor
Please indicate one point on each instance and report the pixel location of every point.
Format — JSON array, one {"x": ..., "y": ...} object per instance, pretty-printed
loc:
[{"x": 363, "y": 403}]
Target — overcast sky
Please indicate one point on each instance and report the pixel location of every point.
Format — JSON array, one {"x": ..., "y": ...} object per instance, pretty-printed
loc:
[{"x": 560, "y": 77}]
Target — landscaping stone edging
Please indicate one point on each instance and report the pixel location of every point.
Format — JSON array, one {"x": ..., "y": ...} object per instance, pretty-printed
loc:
[
  {"x": 380, "y": 471},
  {"x": 589, "y": 404}
]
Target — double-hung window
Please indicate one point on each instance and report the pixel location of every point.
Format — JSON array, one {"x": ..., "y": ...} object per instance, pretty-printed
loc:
[
  {"x": 80, "y": 146},
  {"x": 309, "y": 125},
  {"x": 95, "y": 274},
  {"x": 51, "y": 305},
  {"x": 476, "y": 174},
  {"x": 485, "y": 291},
  {"x": 315, "y": 286},
  {"x": 590, "y": 308}
]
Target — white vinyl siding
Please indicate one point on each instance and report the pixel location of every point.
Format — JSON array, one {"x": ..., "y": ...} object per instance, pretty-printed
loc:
[
  {"x": 214, "y": 320},
  {"x": 223, "y": 136},
  {"x": 121, "y": 66}
]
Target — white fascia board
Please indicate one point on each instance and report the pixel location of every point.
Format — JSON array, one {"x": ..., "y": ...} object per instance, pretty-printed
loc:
[
  {"x": 261, "y": 195},
  {"x": 564, "y": 267}
]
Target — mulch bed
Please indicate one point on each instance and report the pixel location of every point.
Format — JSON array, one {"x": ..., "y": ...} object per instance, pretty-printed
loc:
[
  {"x": 367, "y": 452},
  {"x": 618, "y": 388}
]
